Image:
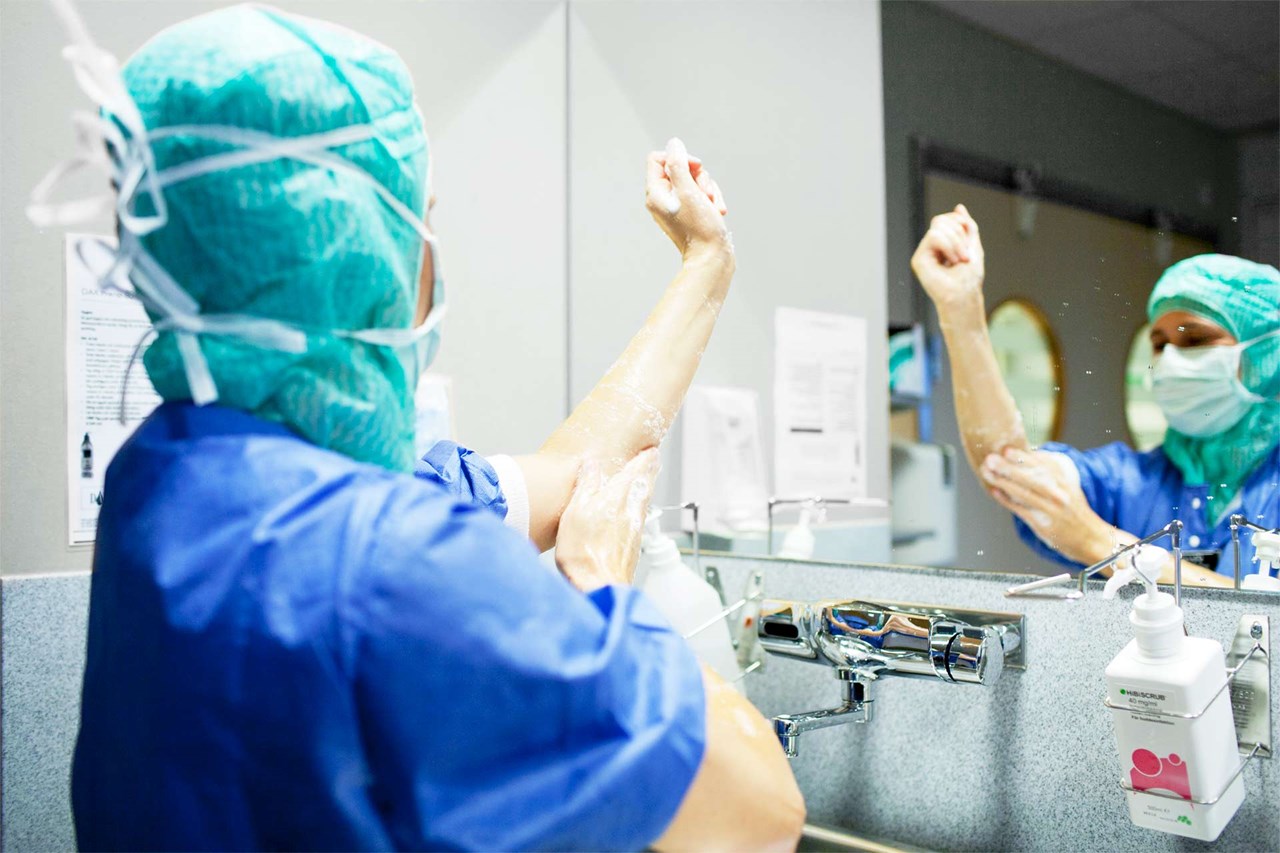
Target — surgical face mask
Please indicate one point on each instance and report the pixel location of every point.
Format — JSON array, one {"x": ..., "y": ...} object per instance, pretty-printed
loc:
[
  {"x": 415, "y": 348},
  {"x": 1199, "y": 389},
  {"x": 129, "y": 268},
  {"x": 432, "y": 413}
]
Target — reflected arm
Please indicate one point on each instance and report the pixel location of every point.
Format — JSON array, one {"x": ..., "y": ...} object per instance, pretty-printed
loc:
[
  {"x": 985, "y": 411},
  {"x": 951, "y": 266}
]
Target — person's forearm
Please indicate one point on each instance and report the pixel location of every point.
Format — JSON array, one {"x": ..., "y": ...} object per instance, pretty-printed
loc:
[
  {"x": 985, "y": 411},
  {"x": 632, "y": 407}
]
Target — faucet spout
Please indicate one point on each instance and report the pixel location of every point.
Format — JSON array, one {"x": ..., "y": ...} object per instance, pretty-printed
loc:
[{"x": 856, "y": 708}]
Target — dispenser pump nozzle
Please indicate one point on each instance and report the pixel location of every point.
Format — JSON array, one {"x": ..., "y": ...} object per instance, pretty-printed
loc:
[
  {"x": 1156, "y": 617},
  {"x": 1145, "y": 568}
]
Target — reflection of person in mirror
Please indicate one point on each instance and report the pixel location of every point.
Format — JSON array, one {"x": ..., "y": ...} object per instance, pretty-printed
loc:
[{"x": 1215, "y": 330}]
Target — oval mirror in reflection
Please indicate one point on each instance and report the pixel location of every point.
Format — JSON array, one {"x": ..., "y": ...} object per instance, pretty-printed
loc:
[
  {"x": 1031, "y": 364},
  {"x": 1142, "y": 414}
]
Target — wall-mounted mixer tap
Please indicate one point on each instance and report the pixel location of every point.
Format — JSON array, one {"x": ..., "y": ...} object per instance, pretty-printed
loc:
[{"x": 863, "y": 641}]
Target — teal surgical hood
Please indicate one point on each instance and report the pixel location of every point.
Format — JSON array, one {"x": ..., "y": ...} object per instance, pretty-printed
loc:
[{"x": 313, "y": 241}]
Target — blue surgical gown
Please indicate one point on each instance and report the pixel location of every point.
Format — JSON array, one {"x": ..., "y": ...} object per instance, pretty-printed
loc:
[
  {"x": 290, "y": 649},
  {"x": 1141, "y": 492}
]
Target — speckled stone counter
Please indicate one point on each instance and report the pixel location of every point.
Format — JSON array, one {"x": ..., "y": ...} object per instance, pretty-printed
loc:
[
  {"x": 43, "y": 620},
  {"x": 1027, "y": 764}
]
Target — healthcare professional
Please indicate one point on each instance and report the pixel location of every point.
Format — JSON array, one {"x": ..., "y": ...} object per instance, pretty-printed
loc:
[
  {"x": 298, "y": 638},
  {"x": 1215, "y": 328}
]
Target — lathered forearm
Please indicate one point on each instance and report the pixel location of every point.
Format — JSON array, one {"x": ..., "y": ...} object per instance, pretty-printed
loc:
[
  {"x": 632, "y": 407},
  {"x": 988, "y": 418}
]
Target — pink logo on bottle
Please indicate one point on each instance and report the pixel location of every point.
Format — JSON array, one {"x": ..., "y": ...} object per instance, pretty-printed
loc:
[{"x": 1152, "y": 772}]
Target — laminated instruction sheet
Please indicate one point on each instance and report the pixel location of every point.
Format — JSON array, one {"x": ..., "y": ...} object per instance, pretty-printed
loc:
[
  {"x": 820, "y": 404},
  {"x": 103, "y": 329}
]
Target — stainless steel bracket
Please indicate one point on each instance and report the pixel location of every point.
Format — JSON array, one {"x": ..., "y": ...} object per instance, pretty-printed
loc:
[
  {"x": 692, "y": 506},
  {"x": 1250, "y": 659},
  {"x": 814, "y": 501}
]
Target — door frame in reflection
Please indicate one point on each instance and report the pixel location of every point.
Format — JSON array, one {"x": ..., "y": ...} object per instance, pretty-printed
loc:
[{"x": 929, "y": 157}]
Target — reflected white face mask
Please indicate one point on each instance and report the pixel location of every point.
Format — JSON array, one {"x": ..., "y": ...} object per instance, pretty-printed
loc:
[{"x": 1199, "y": 388}]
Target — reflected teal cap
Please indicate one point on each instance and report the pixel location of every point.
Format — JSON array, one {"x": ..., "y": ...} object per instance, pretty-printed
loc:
[
  {"x": 1241, "y": 296},
  {"x": 285, "y": 239}
]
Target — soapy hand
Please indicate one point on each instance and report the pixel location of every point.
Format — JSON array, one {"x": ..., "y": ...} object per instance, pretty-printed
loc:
[
  {"x": 1033, "y": 486},
  {"x": 686, "y": 202},
  {"x": 949, "y": 260},
  {"x": 599, "y": 538}
]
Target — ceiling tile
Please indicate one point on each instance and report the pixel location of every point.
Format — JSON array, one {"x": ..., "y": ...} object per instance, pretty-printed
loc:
[
  {"x": 1228, "y": 95},
  {"x": 1249, "y": 29},
  {"x": 1133, "y": 43},
  {"x": 1023, "y": 19},
  {"x": 1215, "y": 60}
]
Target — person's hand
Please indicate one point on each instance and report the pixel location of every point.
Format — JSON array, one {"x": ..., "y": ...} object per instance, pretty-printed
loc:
[
  {"x": 686, "y": 203},
  {"x": 1033, "y": 486},
  {"x": 949, "y": 260},
  {"x": 599, "y": 538}
]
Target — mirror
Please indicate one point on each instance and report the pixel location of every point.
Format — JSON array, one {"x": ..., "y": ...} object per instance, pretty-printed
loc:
[
  {"x": 1081, "y": 205},
  {"x": 1142, "y": 413},
  {"x": 1031, "y": 364}
]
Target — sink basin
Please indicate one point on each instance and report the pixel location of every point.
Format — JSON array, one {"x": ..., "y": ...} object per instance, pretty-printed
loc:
[{"x": 825, "y": 838}]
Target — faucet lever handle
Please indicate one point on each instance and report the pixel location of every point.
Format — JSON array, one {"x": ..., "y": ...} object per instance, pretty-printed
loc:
[{"x": 964, "y": 653}]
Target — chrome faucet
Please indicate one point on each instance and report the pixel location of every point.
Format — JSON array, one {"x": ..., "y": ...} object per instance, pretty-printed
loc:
[{"x": 864, "y": 641}]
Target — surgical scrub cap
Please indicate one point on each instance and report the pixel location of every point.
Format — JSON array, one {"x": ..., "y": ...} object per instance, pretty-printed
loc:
[
  {"x": 284, "y": 239},
  {"x": 1239, "y": 295},
  {"x": 1243, "y": 298}
]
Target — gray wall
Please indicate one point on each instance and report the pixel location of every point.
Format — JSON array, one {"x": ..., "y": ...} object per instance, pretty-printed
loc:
[
  {"x": 962, "y": 87},
  {"x": 1259, "y": 203}
]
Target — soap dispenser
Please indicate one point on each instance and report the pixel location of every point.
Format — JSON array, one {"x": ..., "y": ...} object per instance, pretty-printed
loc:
[
  {"x": 799, "y": 543},
  {"x": 1266, "y": 546},
  {"x": 688, "y": 601},
  {"x": 1174, "y": 726}
]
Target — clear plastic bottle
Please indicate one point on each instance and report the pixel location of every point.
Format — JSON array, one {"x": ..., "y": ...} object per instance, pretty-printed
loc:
[
  {"x": 1163, "y": 672},
  {"x": 688, "y": 601}
]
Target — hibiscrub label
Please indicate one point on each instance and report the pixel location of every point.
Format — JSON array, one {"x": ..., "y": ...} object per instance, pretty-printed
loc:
[
  {"x": 1143, "y": 699},
  {"x": 1151, "y": 772}
]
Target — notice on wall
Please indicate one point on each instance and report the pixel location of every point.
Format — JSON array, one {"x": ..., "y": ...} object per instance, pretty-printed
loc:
[
  {"x": 722, "y": 461},
  {"x": 103, "y": 330},
  {"x": 820, "y": 404}
]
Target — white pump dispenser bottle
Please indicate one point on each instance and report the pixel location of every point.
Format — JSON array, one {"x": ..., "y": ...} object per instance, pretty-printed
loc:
[
  {"x": 1160, "y": 674},
  {"x": 688, "y": 601},
  {"x": 1267, "y": 555}
]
